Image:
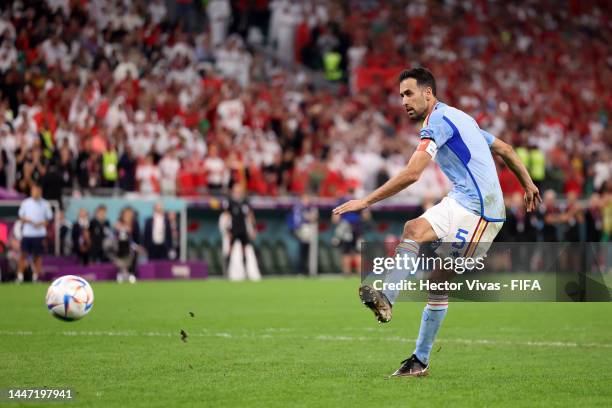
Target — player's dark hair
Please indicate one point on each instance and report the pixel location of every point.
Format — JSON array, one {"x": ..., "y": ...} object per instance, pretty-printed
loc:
[{"x": 422, "y": 76}]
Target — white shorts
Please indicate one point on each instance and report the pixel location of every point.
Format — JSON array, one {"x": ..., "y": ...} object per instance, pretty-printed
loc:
[{"x": 462, "y": 233}]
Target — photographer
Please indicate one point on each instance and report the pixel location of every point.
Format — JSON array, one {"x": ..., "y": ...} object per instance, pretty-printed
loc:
[{"x": 348, "y": 235}]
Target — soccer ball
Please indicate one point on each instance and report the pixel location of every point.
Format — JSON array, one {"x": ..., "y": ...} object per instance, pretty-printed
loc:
[{"x": 69, "y": 298}]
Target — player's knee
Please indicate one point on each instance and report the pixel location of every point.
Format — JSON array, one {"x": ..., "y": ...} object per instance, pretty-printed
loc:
[{"x": 413, "y": 232}]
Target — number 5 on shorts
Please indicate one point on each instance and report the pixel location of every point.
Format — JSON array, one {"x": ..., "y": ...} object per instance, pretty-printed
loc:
[{"x": 462, "y": 237}]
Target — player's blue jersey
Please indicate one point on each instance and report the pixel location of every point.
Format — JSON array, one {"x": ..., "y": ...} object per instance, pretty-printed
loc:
[{"x": 465, "y": 157}]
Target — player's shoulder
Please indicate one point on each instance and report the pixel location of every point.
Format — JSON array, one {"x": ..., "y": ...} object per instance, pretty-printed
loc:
[
  {"x": 436, "y": 117},
  {"x": 453, "y": 115}
]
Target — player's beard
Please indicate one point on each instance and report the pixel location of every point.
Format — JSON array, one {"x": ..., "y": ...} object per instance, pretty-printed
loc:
[{"x": 418, "y": 116}]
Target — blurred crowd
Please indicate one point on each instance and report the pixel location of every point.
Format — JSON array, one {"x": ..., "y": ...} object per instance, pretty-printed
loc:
[{"x": 188, "y": 98}]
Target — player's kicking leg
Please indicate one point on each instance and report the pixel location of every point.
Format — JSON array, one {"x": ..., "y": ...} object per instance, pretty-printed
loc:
[{"x": 381, "y": 303}]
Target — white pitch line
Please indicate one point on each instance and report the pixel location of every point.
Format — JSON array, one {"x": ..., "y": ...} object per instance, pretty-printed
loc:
[{"x": 267, "y": 335}]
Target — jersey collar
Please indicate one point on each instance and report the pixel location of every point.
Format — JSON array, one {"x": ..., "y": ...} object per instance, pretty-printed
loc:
[{"x": 426, "y": 121}]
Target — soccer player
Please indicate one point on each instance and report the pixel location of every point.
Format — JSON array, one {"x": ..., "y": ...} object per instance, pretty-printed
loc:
[{"x": 472, "y": 212}]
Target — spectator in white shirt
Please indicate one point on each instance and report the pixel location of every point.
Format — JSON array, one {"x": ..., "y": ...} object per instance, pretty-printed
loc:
[
  {"x": 602, "y": 170},
  {"x": 219, "y": 13},
  {"x": 287, "y": 19},
  {"x": 147, "y": 176},
  {"x": 231, "y": 114},
  {"x": 142, "y": 142},
  {"x": 216, "y": 171},
  {"x": 169, "y": 167},
  {"x": 34, "y": 213},
  {"x": 233, "y": 61},
  {"x": 8, "y": 55},
  {"x": 55, "y": 52},
  {"x": 157, "y": 11}
]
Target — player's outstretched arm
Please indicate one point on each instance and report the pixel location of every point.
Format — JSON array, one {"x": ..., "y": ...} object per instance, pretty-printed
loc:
[
  {"x": 514, "y": 163},
  {"x": 397, "y": 183}
]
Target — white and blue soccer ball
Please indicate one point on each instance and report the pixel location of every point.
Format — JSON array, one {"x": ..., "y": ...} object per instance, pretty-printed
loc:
[{"x": 70, "y": 298}]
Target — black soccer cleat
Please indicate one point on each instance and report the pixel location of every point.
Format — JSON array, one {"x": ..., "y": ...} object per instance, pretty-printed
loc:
[
  {"x": 377, "y": 302},
  {"x": 412, "y": 367}
]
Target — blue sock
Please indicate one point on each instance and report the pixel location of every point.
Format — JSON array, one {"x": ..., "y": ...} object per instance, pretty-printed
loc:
[
  {"x": 410, "y": 249},
  {"x": 433, "y": 315}
]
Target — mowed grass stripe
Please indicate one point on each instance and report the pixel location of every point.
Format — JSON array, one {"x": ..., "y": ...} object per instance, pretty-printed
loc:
[{"x": 320, "y": 337}]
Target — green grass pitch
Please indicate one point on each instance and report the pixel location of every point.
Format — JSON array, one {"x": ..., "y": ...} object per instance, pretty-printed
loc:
[{"x": 299, "y": 342}]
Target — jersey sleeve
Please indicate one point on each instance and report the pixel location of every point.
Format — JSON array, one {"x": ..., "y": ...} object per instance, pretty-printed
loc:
[
  {"x": 488, "y": 137},
  {"x": 437, "y": 130}
]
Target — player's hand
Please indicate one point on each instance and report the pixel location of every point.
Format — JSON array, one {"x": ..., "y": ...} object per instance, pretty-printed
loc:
[
  {"x": 532, "y": 198},
  {"x": 353, "y": 205}
]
